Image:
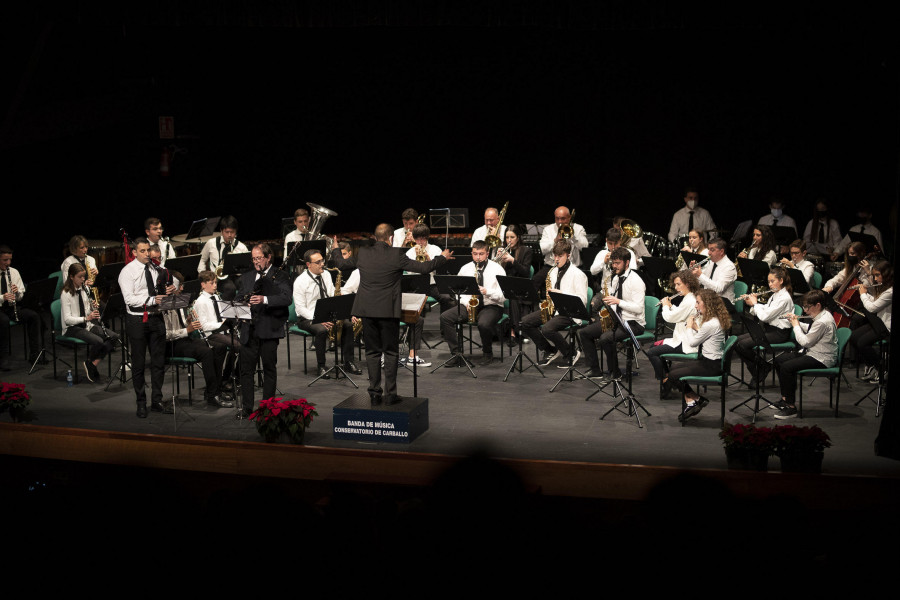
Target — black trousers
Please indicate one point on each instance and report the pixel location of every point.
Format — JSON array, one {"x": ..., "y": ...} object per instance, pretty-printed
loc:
[
  {"x": 143, "y": 337},
  {"x": 211, "y": 359},
  {"x": 32, "y": 323},
  {"x": 745, "y": 344},
  {"x": 654, "y": 354},
  {"x": 608, "y": 341},
  {"x": 703, "y": 367},
  {"x": 863, "y": 340},
  {"x": 382, "y": 336},
  {"x": 549, "y": 335},
  {"x": 787, "y": 365},
  {"x": 488, "y": 317},
  {"x": 321, "y": 336},
  {"x": 100, "y": 346},
  {"x": 257, "y": 348}
]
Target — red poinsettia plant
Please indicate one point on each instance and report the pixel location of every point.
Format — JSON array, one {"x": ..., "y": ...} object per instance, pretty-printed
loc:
[
  {"x": 747, "y": 437},
  {"x": 278, "y": 415},
  {"x": 792, "y": 439},
  {"x": 15, "y": 399}
]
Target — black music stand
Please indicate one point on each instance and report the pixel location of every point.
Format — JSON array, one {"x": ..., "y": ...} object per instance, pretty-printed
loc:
[
  {"x": 760, "y": 347},
  {"x": 201, "y": 228},
  {"x": 334, "y": 309},
  {"x": 457, "y": 286},
  {"x": 881, "y": 329},
  {"x": 175, "y": 302},
  {"x": 116, "y": 304},
  {"x": 869, "y": 240},
  {"x": 521, "y": 290},
  {"x": 236, "y": 263},
  {"x": 447, "y": 218},
  {"x": 411, "y": 306},
  {"x": 657, "y": 270},
  {"x": 571, "y": 307},
  {"x": 186, "y": 265},
  {"x": 783, "y": 235},
  {"x": 108, "y": 274},
  {"x": 631, "y": 403},
  {"x": 691, "y": 257},
  {"x": 297, "y": 250},
  {"x": 39, "y": 296},
  {"x": 240, "y": 311},
  {"x": 798, "y": 281},
  {"x": 754, "y": 272}
]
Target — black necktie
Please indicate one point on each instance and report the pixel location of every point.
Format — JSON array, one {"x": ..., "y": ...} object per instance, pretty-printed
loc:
[
  {"x": 862, "y": 229},
  {"x": 621, "y": 285},
  {"x": 321, "y": 286},
  {"x": 774, "y": 221},
  {"x": 81, "y": 308},
  {"x": 713, "y": 272},
  {"x": 559, "y": 275},
  {"x": 479, "y": 275},
  {"x": 821, "y": 232},
  {"x": 149, "y": 276},
  {"x": 691, "y": 221},
  {"x": 3, "y": 289}
]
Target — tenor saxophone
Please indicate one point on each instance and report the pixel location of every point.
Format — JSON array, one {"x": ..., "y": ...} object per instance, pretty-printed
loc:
[{"x": 547, "y": 308}]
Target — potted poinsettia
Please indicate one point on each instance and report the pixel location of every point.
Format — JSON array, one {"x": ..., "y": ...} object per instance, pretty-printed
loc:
[
  {"x": 15, "y": 399},
  {"x": 747, "y": 446},
  {"x": 277, "y": 416},
  {"x": 801, "y": 449}
]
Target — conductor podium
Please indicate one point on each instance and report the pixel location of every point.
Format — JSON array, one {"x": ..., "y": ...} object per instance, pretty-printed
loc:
[{"x": 356, "y": 419}]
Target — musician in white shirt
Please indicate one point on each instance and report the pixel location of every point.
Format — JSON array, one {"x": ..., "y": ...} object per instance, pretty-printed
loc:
[
  {"x": 80, "y": 317},
  {"x": 13, "y": 290},
  {"x": 878, "y": 300},
  {"x": 154, "y": 230},
  {"x": 863, "y": 226},
  {"x": 215, "y": 250},
  {"x": 626, "y": 298},
  {"x": 425, "y": 252},
  {"x": 798, "y": 261},
  {"x": 763, "y": 247},
  {"x": 822, "y": 233},
  {"x": 567, "y": 279},
  {"x": 636, "y": 244},
  {"x": 600, "y": 268},
  {"x": 78, "y": 249},
  {"x": 719, "y": 273},
  {"x": 691, "y": 216},
  {"x": 491, "y": 220},
  {"x": 686, "y": 286},
  {"x": 403, "y": 235},
  {"x": 778, "y": 330},
  {"x": 212, "y": 325},
  {"x": 490, "y": 304},
  {"x": 854, "y": 261},
  {"x": 776, "y": 216}
]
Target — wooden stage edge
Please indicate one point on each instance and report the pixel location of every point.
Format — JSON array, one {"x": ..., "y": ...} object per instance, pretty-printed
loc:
[{"x": 553, "y": 478}]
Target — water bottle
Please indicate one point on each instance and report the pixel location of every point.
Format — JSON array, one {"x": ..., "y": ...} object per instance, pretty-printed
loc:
[{"x": 69, "y": 380}]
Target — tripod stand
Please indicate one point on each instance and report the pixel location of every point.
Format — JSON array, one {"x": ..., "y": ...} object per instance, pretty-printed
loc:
[
  {"x": 628, "y": 400},
  {"x": 521, "y": 290}
]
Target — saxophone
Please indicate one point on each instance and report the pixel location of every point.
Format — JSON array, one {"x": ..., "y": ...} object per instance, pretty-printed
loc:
[
  {"x": 547, "y": 308},
  {"x": 606, "y": 320},
  {"x": 335, "y": 334},
  {"x": 473, "y": 306}
]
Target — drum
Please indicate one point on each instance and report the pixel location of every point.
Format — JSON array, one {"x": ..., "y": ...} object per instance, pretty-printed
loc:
[
  {"x": 183, "y": 247},
  {"x": 106, "y": 251}
]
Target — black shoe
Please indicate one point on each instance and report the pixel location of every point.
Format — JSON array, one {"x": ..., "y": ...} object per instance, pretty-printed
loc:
[
  {"x": 486, "y": 360},
  {"x": 512, "y": 343},
  {"x": 615, "y": 374},
  {"x": 142, "y": 410},
  {"x": 547, "y": 358},
  {"x": 165, "y": 407},
  {"x": 788, "y": 412},
  {"x": 376, "y": 399},
  {"x": 351, "y": 368},
  {"x": 665, "y": 389},
  {"x": 595, "y": 373},
  {"x": 321, "y": 373},
  {"x": 87, "y": 370},
  {"x": 219, "y": 402},
  {"x": 242, "y": 414},
  {"x": 393, "y": 399}
]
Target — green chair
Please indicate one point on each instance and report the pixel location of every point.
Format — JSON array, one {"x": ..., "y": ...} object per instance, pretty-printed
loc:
[
  {"x": 721, "y": 379},
  {"x": 57, "y": 337},
  {"x": 832, "y": 373},
  {"x": 59, "y": 283},
  {"x": 817, "y": 280},
  {"x": 788, "y": 346},
  {"x": 292, "y": 328},
  {"x": 186, "y": 363},
  {"x": 740, "y": 288}
]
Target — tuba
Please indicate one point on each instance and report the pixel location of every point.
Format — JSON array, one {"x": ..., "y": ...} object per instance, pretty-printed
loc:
[
  {"x": 317, "y": 219},
  {"x": 630, "y": 230},
  {"x": 493, "y": 238}
]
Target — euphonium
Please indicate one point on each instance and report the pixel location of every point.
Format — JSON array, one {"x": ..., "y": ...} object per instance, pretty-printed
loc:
[
  {"x": 421, "y": 254},
  {"x": 630, "y": 230},
  {"x": 493, "y": 238},
  {"x": 547, "y": 308}
]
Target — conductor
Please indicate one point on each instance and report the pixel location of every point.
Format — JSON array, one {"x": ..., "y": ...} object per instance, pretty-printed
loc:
[{"x": 378, "y": 303}]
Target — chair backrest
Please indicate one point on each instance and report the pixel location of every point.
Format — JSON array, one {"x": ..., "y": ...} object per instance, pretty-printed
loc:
[
  {"x": 726, "y": 354},
  {"x": 740, "y": 288},
  {"x": 798, "y": 310},
  {"x": 817, "y": 280},
  {"x": 531, "y": 274},
  {"x": 59, "y": 283},
  {"x": 55, "y": 312},
  {"x": 650, "y": 312},
  {"x": 843, "y": 335},
  {"x": 292, "y": 313}
]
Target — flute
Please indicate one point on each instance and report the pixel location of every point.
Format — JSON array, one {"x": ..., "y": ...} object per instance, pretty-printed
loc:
[
  {"x": 669, "y": 298},
  {"x": 758, "y": 296},
  {"x": 799, "y": 317},
  {"x": 859, "y": 285}
]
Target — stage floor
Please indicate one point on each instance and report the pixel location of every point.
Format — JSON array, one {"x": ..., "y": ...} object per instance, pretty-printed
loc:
[{"x": 514, "y": 419}]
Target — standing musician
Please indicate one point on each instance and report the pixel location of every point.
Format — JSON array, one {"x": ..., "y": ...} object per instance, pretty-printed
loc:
[
  {"x": 185, "y": 340},
  {"x": 154, "y": 230},
  {"x": 143, "y": 288},
  {"x": 403, "y": 236},
  {"x": 378, "y": 302},
  {"x": 706, "y": 332},
  {"x": 562, "y": 226},
  {"x": 490, "y": 304},
  {"x": 686, "y": 286},
  {"x": 822, "y": 233},
  {"x": 215, "y": 250},
  {"x": 778, "y": 330},
  {"x": 567, "y": 279},
  {"x": 423, "y": 252},
  {"x": 798, "y": 261},
  {"x": 78, "y": 253},
  {"x": 854, "y": 257},
  {"x": 491, "y": 220},
  {"x": 719, "y": 273},
  {"x": 516, "y": 262},
  {"x": 819, "y": 350},
  {"x": 626, "y": 297},
  {"x": 12, "y": 289},
  {"x": 600, "y": 268},
  {"x": 691, "y": 216},
  {"x": 80, "y": 318},
  {"x": 309, "y": 287},
  {"x": 877, "y": 299},
  {"x": 269, "y": 294},
  {"x": 763, "y": 247}
]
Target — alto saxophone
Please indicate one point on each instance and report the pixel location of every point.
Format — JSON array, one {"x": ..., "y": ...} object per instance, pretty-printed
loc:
[
  {"x": 547, "y": 308},
  {"x": 335, "y": 334},
  {"x": 606, "y": 320}
]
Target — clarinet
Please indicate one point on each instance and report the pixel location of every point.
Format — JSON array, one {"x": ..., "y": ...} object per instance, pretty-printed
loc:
[
  {"x": 92, "y": 291},
  {"x": 13, "y": 302}
]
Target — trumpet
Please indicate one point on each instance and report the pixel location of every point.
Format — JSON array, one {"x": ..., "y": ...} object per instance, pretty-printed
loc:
[
  {"x": 406, "y": 232},
  {"x": 501, "y": 254},
  {"x": 422, "y": 253}
]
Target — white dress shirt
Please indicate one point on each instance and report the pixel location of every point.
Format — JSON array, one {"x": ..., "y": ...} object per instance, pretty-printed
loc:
[
  {"x": 682, "y": 218},
  {"x": 211, "y": 255},
  {"x": 770, "y": 256},
  {"x": 838, "y": 280},
  {"x": 206, "y": 312},
  {"x": 577, "y": 242},
  {"x": 399, "y": 237},
  {"x": 482, "y": 232},
  {"x": 13, "y": 279},
  {"x": 89, "y": 264},
  {"x": 858, "y": 228},
  {"x": 722, "y": 281},
  {"x": 306, "y": 293},
  {"x": 709, "y": 334},
  {"x": 880, "y": 306},
  {"x": 70, "y": 311},
  {"x": 780, "y": 303},
  {"x": 631, "y": 306},
  {"x": 133, "y": 284},
  {"x": 832, "y": 237},
  {"x": 351, "y": 286},
  {"x": 678, "y": 315},
  {"x": 783, "y": 221},
  {"x": 166, "y": 251},
  {"x": 432, "y": 252},
  {"x": 807, "y": 268},
  {"x": 574, "y": 282},
  {"x": 494, "y": 294},
  {"x": 600, "y": 268},
  {"x": 820, "y": 340}
]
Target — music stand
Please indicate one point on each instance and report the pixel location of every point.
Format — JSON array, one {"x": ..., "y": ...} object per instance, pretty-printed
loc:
[
  {"x": 691, "y": 257},
  {"x": 116, "y": 304},
  {"x": 521, "y": 290},
  {"x": 571, "y": 307},
  {"x": 202, "y": 227},
  {"x": 754, "y": 272},
  {"x": 175, "y": 302},
  {"x": 334, "y": 309},
  {"x": 297, "y": 250},
  {"x": 760, "y": 347},
  {"x": 870, "y": 241},
  {"x": 234, "y": 309},
  {"x": 186, "y": 265},
  {"x": 39, "y": 294},
  {"x": 631, "y": 403},
  {"x": 236, "y": 263},
  {"x": 457, "y": 286},
  {"x": 224, "y": 323},
  {"x": 881, "y": 329},
  {"x": 783, "y": 235},
  {"x": 418, "y": 283},
  {"x": 447, "y": 218},
  {"x": 411, "y": 306},
  {"x": 798, "y": 281},
  {"x": 658, "y": 269},
  {"x": 108, "y": 274}
]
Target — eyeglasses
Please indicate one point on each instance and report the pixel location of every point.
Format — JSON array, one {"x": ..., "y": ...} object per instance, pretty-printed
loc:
[
  {"x": 317, "y": 262},
  {"x": 258, "y": 259}
]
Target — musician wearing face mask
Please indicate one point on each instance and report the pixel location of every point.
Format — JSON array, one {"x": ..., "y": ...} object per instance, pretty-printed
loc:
[
  {"x": 863, "y": 225},
  {"x": 154, "y": 230},
  {"x": 719, "y": 273},
  {"x": 489, "y": 309},
  {"x": 763, "y": 247},
  {"x": 854, "y": 257},
  {"x": 143, "y": 289},
  {"x": 686, "y": 286},
  {"x": 692, "y": 216},
  {"x": 78, "y": 253},
  {"x": 549, "y": 339},
  {"x": 215, "y": 250},
  {"x": 12, "y": 290},
  {"x": 626, "y": 297},
  {"x": 269, "y": 294},
  {"x": 778, "y": 330},
  {"x": 878, "y": 300},
  {"x": 798, "y": 261},
  {"x": 819, "y": 349},
  {"x": 822, "y": 233},
  {"x": 776, "y": 216}
]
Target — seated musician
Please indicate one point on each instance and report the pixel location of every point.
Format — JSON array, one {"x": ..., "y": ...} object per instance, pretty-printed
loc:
[
  {"x": 776, "y": 216},
  {"x": 567, "y": 279},
  {"x": 185, "y": 340},
  {"x": 12, "y": 290},
  {"x": 855, "y": 257},
  {"x": 562, "y": 226},
  {"x": 636, "y": 244},
  {"x": 863, "y": 225},
  {"x": 695, "y": 243},
  {"x": 154, "y": 230},
  {"x": 215, "y": 250},
  {"x": 78, "y": 253},
  {"x": 691, "y": 216},
  {"x": 516, "y": 262},
  {"x": 763, "y": 246},
  {"x": 877, "y": 299},
  {"x": 309, "y": 287},
  {"x": 819, "y": 346},
  {"x": 686, "y": 286},
  {"x": 491, "y": 220},
  {"x": 601, "y": 268},
  {"x": 822, "y": 234},
  {"x": 719, "y": 273},
  {"x": 403, "y": 236},
  {"x": 625, "y": 297},
  {"x": 798, "y": 261},
  {"x": 489, "y": 309},
  {"x": 81, "y": 318},
  {"x": 706, "y": 331},
  {"x": 778, "y": 330},
  {"x": 424, "y": 252},
  {"x": 216, "y": 328}
]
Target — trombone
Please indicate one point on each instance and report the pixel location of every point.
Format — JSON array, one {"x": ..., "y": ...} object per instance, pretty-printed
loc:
[{"x": 493, "y": 239}]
